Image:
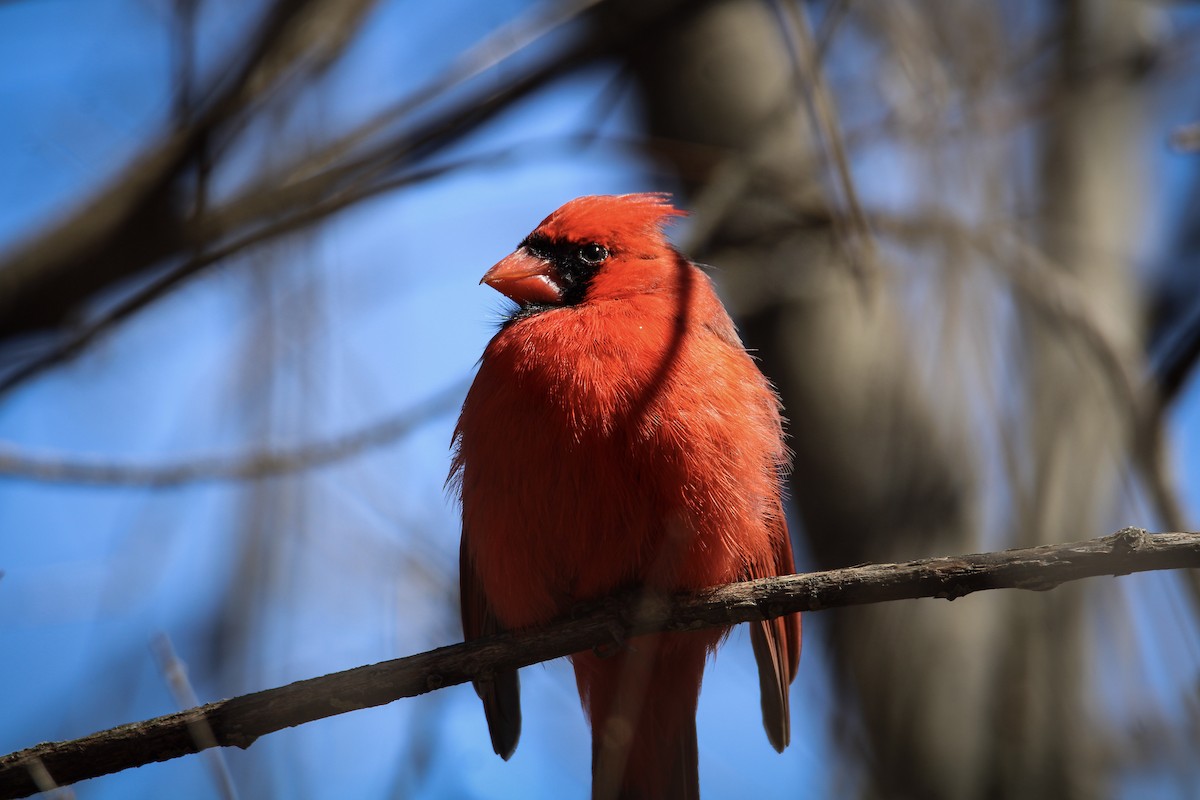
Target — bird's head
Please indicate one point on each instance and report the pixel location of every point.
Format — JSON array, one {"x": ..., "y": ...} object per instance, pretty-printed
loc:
[{"x": 591, "y": 248}]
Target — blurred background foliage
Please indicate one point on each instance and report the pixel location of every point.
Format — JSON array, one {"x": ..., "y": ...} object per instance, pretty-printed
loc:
[{"x": 239, "y": 245}]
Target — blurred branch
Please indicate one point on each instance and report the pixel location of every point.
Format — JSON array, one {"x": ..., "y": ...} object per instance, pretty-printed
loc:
[
  {"x": 1186, "y": 138},
  {"x": 70, "y": 343},
  {"x": 138, "y": 222},
  {"x": 1177, "y": 354},
  {"x": 834, "y": 15},
  {"x": 493, "y": 50},
  {"x": 239, "y": 721},
  {"x": 45, "y": 784},
  {"x": 828, "y": 135},
  {"x": 175, "y": 673},
  {"x": 1060, "y": 300},
  {"x": 22, "y": 466}
]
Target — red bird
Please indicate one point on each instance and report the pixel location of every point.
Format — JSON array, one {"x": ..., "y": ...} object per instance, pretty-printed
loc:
[{"x": 619, "y": 437}]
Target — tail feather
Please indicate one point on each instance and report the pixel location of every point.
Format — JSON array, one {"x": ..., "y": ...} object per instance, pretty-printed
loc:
[
  {"x": 642, "y": 705},
  {"x": 771, "y": 640},
  {"x": 501, "y": 698},
  {"x": 776, "y": 645},
  {"x": 673, "y": 773}
]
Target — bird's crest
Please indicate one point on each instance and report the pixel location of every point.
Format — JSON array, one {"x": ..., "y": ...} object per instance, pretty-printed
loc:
[{"x": 611, "y": 218}]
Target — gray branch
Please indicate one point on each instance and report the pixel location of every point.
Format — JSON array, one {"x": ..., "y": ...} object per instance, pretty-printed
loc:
[
  {"x": 19, "y": 465},
  {"x": 239, "y": 721}
]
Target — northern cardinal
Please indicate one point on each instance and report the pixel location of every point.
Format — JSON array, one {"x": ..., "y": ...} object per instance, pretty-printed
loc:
[{"x": 619, "y": 438}]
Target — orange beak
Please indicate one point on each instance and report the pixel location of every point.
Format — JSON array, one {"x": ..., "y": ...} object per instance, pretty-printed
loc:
[{"x": 524, "y": 278}]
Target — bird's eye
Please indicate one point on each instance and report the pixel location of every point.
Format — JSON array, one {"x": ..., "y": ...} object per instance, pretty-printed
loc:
[{"x": 593, "y": 253}]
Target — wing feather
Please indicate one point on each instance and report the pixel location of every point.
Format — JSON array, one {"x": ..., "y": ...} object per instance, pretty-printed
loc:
[{"x": 501, "y": 694}]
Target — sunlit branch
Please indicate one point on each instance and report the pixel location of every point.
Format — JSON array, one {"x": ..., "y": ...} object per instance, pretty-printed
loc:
[{"x": 239, "y": 721}]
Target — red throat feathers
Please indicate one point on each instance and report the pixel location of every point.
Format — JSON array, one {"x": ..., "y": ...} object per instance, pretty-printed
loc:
[{"x": 618, "y": 437}]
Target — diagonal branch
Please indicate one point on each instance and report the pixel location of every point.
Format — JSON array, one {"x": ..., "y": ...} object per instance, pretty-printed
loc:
[
  {"x": 137, "y": 225},
  {"x": 239, "y": 721},
  {"x": 137, "y": 219}
]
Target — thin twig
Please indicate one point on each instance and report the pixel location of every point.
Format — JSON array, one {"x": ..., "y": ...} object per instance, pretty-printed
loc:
[
  {"x": 175, "y": 673},
  {"x": 829, "y": 26},
  {"x": 495, "y": 49},
  {"x": 241, "y": 720},
  {"x": 44, "y": 781},
  {"x": 807, "y": 65}
]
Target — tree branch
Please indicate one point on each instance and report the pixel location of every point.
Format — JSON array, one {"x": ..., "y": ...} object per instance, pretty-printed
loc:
[
  {"x": 135, "y": 220},
  {"x": 239, "y": 721},
  {"x": 110, "y": 237}
]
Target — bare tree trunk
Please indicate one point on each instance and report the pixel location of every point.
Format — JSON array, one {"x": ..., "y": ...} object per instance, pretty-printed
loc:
[
  {"x": 984, "y": 699},
  {"x": 881, "y": 470},
  {"x": 1079, "y": 428}
]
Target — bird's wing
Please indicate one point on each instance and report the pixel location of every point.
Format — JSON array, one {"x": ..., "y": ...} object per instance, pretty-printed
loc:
[
  {"x": 776, "y": 646},
  {"x": 501, "y": 694}
]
